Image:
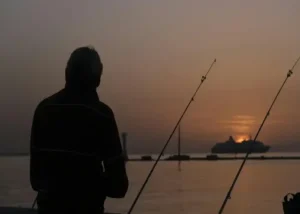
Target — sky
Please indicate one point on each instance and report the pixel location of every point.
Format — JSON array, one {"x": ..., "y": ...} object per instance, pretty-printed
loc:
[{"x": 154, "y": 54}]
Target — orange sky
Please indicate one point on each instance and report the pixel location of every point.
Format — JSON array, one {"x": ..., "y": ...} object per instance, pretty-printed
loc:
[{"x": 154, "y": 54}]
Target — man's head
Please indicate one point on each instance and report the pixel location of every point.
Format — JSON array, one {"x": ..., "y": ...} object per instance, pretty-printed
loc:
[{"x": 84, "y": 69}]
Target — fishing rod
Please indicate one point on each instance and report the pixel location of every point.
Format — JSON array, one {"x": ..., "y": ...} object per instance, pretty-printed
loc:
[
  {"x": 166, "y": 144},
  {"x": 228, "y": 196}
]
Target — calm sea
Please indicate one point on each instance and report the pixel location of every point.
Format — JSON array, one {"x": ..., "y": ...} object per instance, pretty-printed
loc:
[{"x": 199, "y": 187}]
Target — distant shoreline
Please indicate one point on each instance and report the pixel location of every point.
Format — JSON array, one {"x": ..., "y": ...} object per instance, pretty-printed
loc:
[
  {"x": 222, "y": 158},
  {"x": 185, "y": 157}
]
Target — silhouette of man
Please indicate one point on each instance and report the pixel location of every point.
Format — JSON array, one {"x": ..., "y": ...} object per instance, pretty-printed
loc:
[{"x": 86, "y": 190}]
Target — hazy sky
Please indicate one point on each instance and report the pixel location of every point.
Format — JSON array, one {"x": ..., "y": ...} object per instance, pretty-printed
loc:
[{"x": 154, "y": 54}]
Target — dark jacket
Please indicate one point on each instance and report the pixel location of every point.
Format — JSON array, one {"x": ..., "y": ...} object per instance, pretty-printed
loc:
[{"x": 92, "y": 181}]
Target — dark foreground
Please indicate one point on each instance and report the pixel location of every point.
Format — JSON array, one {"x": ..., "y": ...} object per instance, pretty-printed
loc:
[
  {"x": 16, "y": 210},
  {"x": 21, "y": 210}
]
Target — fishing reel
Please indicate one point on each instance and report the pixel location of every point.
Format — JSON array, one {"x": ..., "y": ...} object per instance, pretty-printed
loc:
[{"x": 291, "y": 203}]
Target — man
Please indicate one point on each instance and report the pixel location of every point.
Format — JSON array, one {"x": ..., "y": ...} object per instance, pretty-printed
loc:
[{"x": 66, "y": 172}]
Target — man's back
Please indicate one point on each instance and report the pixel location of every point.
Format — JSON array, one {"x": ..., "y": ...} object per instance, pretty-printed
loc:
[{"x": 73, "y": 135}]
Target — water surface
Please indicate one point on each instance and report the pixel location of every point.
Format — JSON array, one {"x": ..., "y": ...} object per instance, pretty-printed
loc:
[{"x": 200, "y": 187}]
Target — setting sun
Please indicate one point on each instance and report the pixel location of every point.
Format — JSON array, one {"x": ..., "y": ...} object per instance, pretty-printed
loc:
[{"x": 241, "y": 138}]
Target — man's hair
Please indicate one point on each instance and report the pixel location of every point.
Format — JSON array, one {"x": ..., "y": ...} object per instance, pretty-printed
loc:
[{"x": 84, "y": 68}]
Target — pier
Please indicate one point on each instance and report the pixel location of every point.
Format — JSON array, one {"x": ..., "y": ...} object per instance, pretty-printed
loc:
[{"x": 213, "y": 158}]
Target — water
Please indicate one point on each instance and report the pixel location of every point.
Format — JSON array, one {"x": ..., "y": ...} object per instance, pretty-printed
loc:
[{"x": 200, "y": 187}]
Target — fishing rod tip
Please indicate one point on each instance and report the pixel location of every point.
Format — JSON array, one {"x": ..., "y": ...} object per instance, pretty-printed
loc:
[{"x": 215, "y": 60}]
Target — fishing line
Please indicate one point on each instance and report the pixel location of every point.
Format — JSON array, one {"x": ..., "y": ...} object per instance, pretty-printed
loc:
[
  {"x": 228, "y": 196},
  {"x": 166, "y": 144}
]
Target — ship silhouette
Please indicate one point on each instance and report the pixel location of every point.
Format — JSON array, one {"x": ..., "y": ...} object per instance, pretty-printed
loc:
[{"x": 231, "y": 146}]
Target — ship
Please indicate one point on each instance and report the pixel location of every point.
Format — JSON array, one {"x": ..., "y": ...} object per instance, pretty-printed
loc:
[{"x": 231, "y": 146}]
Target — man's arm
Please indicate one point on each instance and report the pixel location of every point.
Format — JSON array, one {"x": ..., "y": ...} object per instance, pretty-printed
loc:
[
  {"x": 33, "y": 161},
  {"x": 114, "y": 164}
]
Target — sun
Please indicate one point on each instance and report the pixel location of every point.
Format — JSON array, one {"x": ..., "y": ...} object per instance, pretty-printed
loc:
[{"x": 241, "y": 138}]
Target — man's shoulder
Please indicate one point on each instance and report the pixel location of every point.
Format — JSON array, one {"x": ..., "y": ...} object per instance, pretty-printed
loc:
[
  {"x": 59, "y": 97},
  {"x": 53, "y": 99},
  {"x": 104, "y": 108}
]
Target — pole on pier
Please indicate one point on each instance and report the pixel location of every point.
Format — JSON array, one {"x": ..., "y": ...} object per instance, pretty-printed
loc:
[
  {"x": 124, "y": 138},
  {"x": 179, "y": 148}
]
